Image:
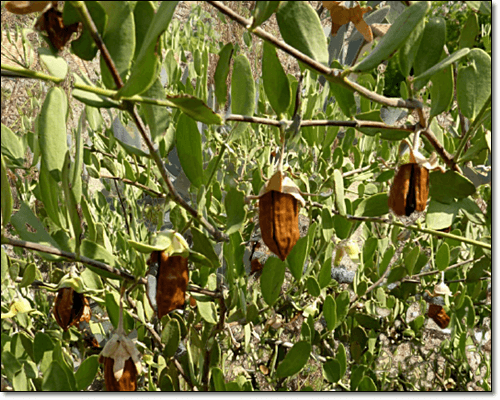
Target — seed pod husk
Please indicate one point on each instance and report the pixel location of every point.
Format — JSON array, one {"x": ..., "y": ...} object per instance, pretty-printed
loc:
[
  {"x": 438, "y": 314},
  {"x": 171, "y": 282},
  {"x": 128, "y": 380},
  {"x": 410, "y": 189},
  {"x": 70, "y": 308},
  {"x": 121, "y": 362},
  {"x": 279, "y": 215}
]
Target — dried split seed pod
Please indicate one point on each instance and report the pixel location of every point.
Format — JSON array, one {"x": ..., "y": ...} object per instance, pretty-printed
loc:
[
  {"x": 70, "y": 308},
  {"x": 279, "y": 214},
  {"x": 171, "y": 282},
  {"x": 410, "y": 190},
  {"x": 168, "y": 273}
]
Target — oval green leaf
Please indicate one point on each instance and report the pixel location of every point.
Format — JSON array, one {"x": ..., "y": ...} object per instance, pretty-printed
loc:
[
  {"x": 242, "y": 91},
  {"x": 221, "y": 72},
  {"x": 395, "y": 37},
  {"x": 295, "y": 359},
  {"x": 373, "y": 206},
  {"x": 188, "y": 141},
  {"x": 273, "y": 274},
  {"x": 431, "y": 45},
  {"x": 276, "y": 84}
]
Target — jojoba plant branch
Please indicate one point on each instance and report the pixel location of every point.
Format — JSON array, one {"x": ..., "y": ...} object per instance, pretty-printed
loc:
[
  {"x": 330, "y": 74},
  {"x": 130, "y": 108},
  {"x": 319, "y": 122},
  {"x": 410, "y": 227}
]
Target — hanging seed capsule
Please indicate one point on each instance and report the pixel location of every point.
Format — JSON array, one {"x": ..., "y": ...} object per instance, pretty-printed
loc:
[
  {"x": 128, "y": 379},
  {"x": 171, "y": 282},
  {"x": 70, "y": 308},
  {"x": 279, "y": 215},
  {"x": 410, "y": 189}
]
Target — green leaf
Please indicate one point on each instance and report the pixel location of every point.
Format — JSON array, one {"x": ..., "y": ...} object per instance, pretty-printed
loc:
[
  {"x": 313, "y": 286},
  {"x": 144, "y": 13},
  {"x": 84, "y": 47},
  {"x": 301, "y": 28},
  {"x": 207, "y": 311},
  {"x": 6, "y": 198},
  {"x": 28, "y": 276},
  {"x": 263, "y": 10},
  {"x": 195, "y": 108},
  {"x": 221, "y": 72},
  {"x": 342, "y": 302},
  {"x": 188, "y": 141},
  {"x": 170, "y": 337},
  {"x": 366, "y": 384},
  {"x": 86, "y": 372},
  {"x": 119, "y": 38},
  {"x": 218, "y": 380},
  {"x": 411, "y": 258},
  {"x": 52, "y": 131},
  {"x": 431, "y": 45},
  {"x": 474, "y": 83},
  {"x": 407, "y": 53},
  {"x": 396, "y": 274},
  {"x": 325, "y": 274},
  {"x": 12, "y": 147},
  {"x": 157, "y": 117},
  {"x": 373, "y": 206},
  {"x": 242, "y": 91},
  {"x": 343, "y": 96},
  {"x": 341, "y": 357},
  {"x": 440, "y": 215},
  {"x": 330, "y": 312},
  {"x": 294, "y": 360},
  {"x": 395, "y": 37},
  {"x": 443, "y": 257},
  {"x": 25, "y": 218},
  {"x": 276, "y": 84},
  {"x": 55, "y": 64},
  {"x": 342, "y": 226},
  {"x": 421, "y": 80},
  {"x": 297, "y": 257},
  {"x": 331, "y": 371},
  {"x": 10, "y": 363},
  {"x": 89, "y": 98},
  {"x": 448, "y": 186},
  {"x": 203, "y": 245},
  {"x": 97, "y": 252},
  {"x": 235, "y": 209},
  {"x": 55, "y": 379},
  {"x": 441, "y": 91},
  {"x": 469, "y": 32},
  {"x": 367, "y": 321},
  {"x": 41, "y": 345},
  {"x": 4, "y": 265},
  {"x": 146, "y": 66},
  {"x": 273, "y": 274},
  {"x": 339, "y": 192}
]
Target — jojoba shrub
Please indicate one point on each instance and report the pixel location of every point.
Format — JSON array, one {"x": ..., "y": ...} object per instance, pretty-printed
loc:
[{"x": 246, "y": 196}]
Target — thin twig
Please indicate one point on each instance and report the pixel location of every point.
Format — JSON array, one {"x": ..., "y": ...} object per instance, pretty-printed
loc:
[
  {"x": 445, "y": 156},
  {"x": 136, "y": 184}
]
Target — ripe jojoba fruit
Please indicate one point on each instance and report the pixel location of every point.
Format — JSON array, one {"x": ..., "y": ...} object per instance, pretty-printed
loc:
[
  {"x": 70, "y": 308},
  {"x": 279, "y": 215},
  {"x": 410, "y": 189},
  {"x": 171, "y": 282},
  {"x": 128, "y": 379}
]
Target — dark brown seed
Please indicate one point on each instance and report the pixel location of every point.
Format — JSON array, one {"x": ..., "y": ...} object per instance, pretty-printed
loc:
[
  {"x": 410, "y": 189},
  {"x": 279, "y": 222},
  {"x": 438, "y": 314},
  {"x": 128, "y": 380}
]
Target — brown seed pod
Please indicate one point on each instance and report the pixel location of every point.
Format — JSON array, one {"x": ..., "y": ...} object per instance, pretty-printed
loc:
[
  {"x": 438, "y": 314},
  {"x": 172, "y": 279},
  {"x": 279, "y": 222},
  {"x": 51, "y": 21},
  {"x": 128, "y": 379},
  {"x": 70, "y": 308},
  {"x": 410, "y": 189},
  {"x": 279, "y": 214}
]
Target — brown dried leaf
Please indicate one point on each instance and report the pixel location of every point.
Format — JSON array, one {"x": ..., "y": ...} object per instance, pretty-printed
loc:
[{"x": 342, "y": 15}]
